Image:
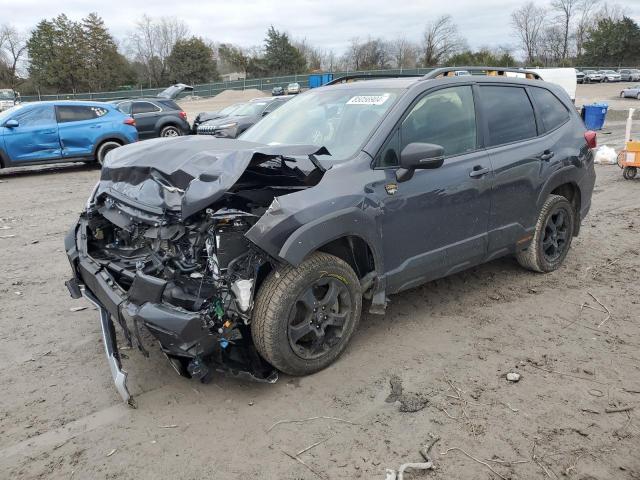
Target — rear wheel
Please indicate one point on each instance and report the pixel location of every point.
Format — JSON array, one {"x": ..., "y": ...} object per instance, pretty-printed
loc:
[
  {"x": 629, "y": 173},
  {"x": 552, "y": 236},
  {"x": 170, "y": 131},
  {"x": 105, "y": 148},
  {"x": 304, "y": 317}
]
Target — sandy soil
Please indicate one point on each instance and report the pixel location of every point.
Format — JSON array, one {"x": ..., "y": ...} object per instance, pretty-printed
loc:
[
  {"x": 193, "y": 106},
  {"x": 448, "y": 345}
]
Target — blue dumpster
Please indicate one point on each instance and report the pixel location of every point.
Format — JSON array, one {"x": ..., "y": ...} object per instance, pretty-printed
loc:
[
  {"x": 319, "y": 79},
  {"x": 594, "y": 115}
]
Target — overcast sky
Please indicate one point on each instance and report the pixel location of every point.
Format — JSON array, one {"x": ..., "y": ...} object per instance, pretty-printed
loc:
[{"x": 328, "y": 24}]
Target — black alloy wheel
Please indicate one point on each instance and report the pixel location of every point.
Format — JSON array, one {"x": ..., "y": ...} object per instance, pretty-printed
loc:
[
  {"x": 556, "y": 234},
  {"x": 317, "y": 318}
]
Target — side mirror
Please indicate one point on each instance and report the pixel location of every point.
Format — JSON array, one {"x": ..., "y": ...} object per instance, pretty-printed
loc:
[
  {"x": 11, "y": 123},
  {"x": 419, "y": 156},
  {"x": 264, "y": 114}
]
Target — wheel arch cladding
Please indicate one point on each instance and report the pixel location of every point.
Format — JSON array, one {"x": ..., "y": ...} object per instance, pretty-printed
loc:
[
  {"x": 564, "y": 184},
  {"x": 108, "y": 138},
  {"x": 571, "y": 192},
  {"x": 348, "y": 234}
]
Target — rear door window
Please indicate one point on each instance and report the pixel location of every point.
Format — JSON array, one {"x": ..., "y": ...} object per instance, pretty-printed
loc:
[
  {"x": 144, "y": 107},
  {"x": 77, "y": 113},
  {"x": 551, "y": 110},
  {"x": 508, "y": 113}
]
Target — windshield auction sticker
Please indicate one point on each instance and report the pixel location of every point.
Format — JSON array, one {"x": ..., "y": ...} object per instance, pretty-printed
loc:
[{"x": 368, "y": 99}]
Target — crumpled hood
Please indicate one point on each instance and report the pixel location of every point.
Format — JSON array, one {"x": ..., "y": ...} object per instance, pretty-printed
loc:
[{"x": 185, "y": 174}]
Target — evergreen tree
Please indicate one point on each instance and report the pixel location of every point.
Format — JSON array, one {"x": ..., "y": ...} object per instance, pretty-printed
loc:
[
  {"x": 191, "y": 61},
  {"x": 281, "y": 57},
  {"x": 613, "y": 42}
]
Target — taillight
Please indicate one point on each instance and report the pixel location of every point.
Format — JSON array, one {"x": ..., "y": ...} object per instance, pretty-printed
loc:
[
  {"x": 129, "y": 121},
  {"x": 183, "y": 115},
  {"x": 590, "y": 137}
]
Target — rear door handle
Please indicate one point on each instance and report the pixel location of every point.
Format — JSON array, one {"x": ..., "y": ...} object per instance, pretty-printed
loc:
[
  {"x": 546, "y": 155},
  {"x": 478, "y": 171}
]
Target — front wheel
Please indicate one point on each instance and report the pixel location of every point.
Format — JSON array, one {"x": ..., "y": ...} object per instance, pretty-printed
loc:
[
  {"x": 304, "y": 317},
  {"x": 552, "y": 236}
]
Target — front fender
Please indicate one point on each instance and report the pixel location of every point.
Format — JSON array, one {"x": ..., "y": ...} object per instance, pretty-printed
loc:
[
  {"x": 291, "y": 241},
  {"x": 348, "y": 222}
]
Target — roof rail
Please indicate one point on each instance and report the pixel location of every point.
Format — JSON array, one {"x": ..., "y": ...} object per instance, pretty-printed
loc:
[
  {"x": 372, "y": 76},
  {"x": 490, "y": 71}
]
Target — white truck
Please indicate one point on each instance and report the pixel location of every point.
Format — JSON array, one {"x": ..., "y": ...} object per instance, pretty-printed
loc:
[
  {"x": 8, "y": 98},
  {"x": 564, "y": 77}
]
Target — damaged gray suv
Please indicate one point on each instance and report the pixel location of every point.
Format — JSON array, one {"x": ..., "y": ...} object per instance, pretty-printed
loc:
[{"x": 254, "y": 255}]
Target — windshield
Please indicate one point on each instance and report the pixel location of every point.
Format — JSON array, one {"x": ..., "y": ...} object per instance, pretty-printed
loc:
[
  {"x": 4, "y": 116},
  {"x": 338, "y": 119},
  {"x": 253, "y": 108},
  {"x": 7, "y": 95},
  {"x": 229, "y": 109}
]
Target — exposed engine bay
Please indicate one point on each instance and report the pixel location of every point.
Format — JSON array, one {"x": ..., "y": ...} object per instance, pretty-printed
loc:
[{"x": 190, "y": 281}]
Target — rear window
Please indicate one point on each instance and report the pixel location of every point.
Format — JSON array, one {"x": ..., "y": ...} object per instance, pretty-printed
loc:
[
  {"x": 509, "y": 114},
  {"x": 552, "y": 111},
  {"x": 144, "y": 107},
  {"x": 77, "y": 113}
]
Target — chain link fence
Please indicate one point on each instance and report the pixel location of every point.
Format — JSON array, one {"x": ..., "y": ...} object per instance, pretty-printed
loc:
[{"x": 212, "y": 89}]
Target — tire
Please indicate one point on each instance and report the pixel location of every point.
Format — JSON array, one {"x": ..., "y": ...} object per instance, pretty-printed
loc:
[
  {"x": 638, "y": 96},
  {"x": 105, "y": 148},
  {"x": 629, "y": 173},
  {"x": 170, "y": 131},
  {"x": 535, "y": 257},
  {"x": 283, "y": 312}
]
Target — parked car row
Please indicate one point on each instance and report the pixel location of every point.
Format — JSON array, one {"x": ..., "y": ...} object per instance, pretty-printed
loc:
[
  {"x": 234, "y": 120},
  {"x": 292, "y": 89},
  {"x": 598, "y": 76}
]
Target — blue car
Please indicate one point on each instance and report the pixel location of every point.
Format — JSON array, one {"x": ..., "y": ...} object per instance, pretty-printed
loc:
[{"x": 65, "y": 131}]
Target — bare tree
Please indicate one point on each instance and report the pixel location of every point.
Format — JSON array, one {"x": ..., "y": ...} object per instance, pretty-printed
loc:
[
  {"x": 585, "y": 22},
  {"x": 550, "y": 46},
  {"x": 440, "y": 41},
  {"x": 13, "y": 50},
  {"x": 527, "y": 22},
  {"x": 565, "y": 10},
  {"x": 609, "y": 11},
  {"x": 403, "y": 53},
  {"x": 152, "y": 42}
]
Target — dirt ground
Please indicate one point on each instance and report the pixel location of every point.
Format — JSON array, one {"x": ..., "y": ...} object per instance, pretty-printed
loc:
[{"x": 446, "y": 348}]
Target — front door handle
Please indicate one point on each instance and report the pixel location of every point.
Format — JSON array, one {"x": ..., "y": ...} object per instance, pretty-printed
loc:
[
  {"x": 546, "y": 155},
  {"x": 478, "y": 171}
]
